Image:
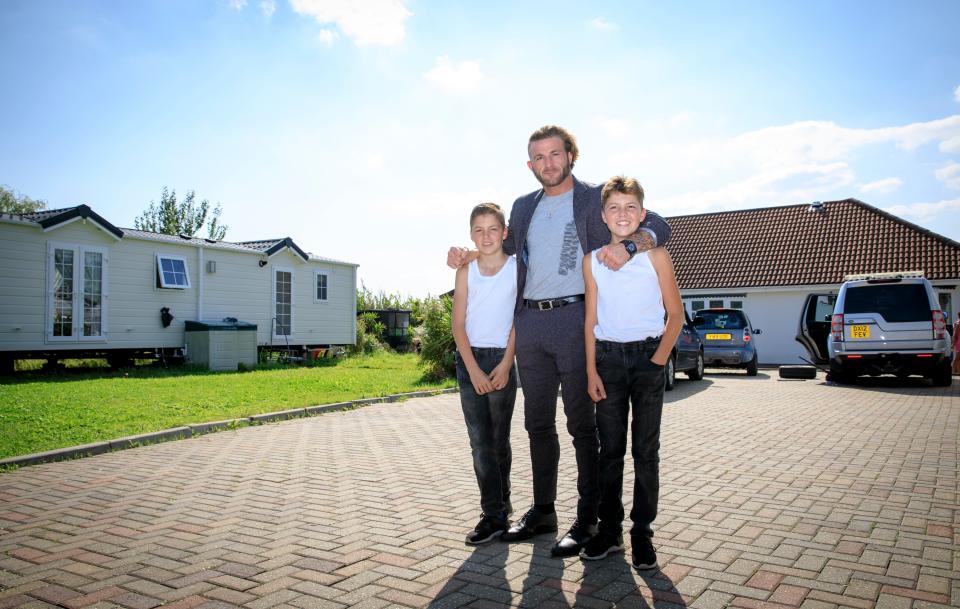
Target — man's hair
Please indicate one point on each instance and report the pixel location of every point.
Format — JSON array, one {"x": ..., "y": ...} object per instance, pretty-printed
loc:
[
  {"x": 491, "y": 209},
  {"x": 624, "y": 185},
  {"x": 548, "y": 131}
]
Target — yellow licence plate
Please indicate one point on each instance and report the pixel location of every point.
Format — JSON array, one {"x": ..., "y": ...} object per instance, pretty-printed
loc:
[
  {"x": 859, "y": 331},
  {"x": 719, "y": 336}
]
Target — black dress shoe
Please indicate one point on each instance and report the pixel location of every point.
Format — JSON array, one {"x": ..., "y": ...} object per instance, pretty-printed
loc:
[
  {"x": 532, "y": 523},
  {"x": 577, "y": 537}
]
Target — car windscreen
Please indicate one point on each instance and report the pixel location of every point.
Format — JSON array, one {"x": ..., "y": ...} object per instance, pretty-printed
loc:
[
  {"x": 720, "y": 320},
  {"x": 895, "y": 302}
]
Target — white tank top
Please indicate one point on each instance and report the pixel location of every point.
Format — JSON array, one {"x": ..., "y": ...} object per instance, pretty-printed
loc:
[
  {"x": 490, "y": 304},
  {"x": 629, "y": 301}
]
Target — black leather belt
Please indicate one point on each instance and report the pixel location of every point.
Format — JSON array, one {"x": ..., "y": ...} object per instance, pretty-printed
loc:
[{"x": 552, "y": 303}]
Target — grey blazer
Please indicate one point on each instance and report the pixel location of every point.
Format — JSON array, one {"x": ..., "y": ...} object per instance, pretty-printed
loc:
[{"x": 591, "y": 230}]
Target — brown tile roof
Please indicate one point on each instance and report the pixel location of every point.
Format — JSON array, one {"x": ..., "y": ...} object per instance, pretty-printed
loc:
[{"x": 793, "y": 245}]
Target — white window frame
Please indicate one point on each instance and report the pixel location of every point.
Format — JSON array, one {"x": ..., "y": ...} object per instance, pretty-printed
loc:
[
  {"x": 273, "y": 300},
  {"x": 159, "y": 271},
  {"x": 79, "y": 267},
  {"x": 316, "y": 279}
]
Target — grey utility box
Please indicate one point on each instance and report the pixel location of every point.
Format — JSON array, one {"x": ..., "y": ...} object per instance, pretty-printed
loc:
[{"x": 221, "y": 345}]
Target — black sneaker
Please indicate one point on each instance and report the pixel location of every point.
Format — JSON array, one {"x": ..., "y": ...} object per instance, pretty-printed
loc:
[
  {"x": 532, "y": 523},
  {"x": 488, "y": 529},
  {"x": 571, "y": 543},
  {"x": 601, "y": 545},
  {"x": 644, "y": 556}
]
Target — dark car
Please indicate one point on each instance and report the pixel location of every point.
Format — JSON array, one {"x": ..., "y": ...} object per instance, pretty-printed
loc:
[
  {"x": 687, "y": 355},
  {"x": 727, "y": 339}
]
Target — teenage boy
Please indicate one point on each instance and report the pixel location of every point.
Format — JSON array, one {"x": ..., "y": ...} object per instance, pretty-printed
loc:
[
  {"x": 483, "y": 302},
  {"x": 627, "y": 344}
]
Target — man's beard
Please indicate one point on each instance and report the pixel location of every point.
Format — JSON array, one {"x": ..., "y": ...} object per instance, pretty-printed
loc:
[{"x": 555, "y": 181}]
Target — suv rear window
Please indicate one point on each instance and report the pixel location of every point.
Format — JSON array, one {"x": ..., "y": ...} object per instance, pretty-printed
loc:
[
  {"x": 895, "y": 302},
  {"x": 721, "y": 320}
]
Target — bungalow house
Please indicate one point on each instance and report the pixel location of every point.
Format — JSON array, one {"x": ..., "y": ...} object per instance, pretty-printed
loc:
[
  {"x": 74, "y": 285},
  {"x": 765, "y": 261}
]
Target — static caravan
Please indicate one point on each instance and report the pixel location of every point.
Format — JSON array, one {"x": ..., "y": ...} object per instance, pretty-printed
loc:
[{"x": 74, "y": 285}]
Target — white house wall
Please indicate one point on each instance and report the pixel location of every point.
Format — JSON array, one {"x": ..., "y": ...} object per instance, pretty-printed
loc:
[{"x": 776, "y": 311}]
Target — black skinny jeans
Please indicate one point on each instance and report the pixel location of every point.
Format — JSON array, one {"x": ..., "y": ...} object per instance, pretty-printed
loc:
[
  {"x": 629, "y": 378},
  {"x": 488, "y": 419}
]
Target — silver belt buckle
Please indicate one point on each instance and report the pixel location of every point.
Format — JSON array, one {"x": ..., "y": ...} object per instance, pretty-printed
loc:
[{"x": 545, "y": 305}]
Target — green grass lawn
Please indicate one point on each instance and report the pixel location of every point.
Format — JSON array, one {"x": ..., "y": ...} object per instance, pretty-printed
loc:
[{"x": 41, "y": 412}]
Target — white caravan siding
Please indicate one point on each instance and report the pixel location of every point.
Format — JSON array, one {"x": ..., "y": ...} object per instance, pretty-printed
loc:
[
  {"x": 23, "y": 259},
  {"x": 237, "y": 287}
]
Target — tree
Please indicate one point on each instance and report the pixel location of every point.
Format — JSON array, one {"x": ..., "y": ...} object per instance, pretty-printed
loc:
[
  {"x": 12, "y": 202},
  {"x": 172, "y": 218}
]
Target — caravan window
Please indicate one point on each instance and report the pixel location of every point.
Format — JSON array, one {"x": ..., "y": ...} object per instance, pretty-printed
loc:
[
  {"x": 321, "y": 294},
  {"x": 283, "y": 301},
  {"x": 172, "y": 272}
]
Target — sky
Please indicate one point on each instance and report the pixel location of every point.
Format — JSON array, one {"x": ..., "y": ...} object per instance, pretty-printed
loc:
[{"x": 366, "y": 130}]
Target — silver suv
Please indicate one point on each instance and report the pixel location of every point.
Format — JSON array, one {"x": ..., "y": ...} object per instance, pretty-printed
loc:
[{"x": 882, "y": 323}]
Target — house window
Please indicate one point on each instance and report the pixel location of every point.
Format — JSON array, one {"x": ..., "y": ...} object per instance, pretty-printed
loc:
[
  {"x": 716, "y": 304},
  {"x": 321, "y": 287},
  {"x": 736, "y": 304},
  {"x": 696, "y": 305},
  {"x": 76, "y": 306},
  {"x": 172, "y": 272},
  {"x": 283, "y": 302}
]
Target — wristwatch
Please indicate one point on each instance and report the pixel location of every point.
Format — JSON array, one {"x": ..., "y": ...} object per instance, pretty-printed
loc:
[{"x": 630, "y": 246}]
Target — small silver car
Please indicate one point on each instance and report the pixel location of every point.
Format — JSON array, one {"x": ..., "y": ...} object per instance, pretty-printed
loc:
[{"x": 727, "y": 339}]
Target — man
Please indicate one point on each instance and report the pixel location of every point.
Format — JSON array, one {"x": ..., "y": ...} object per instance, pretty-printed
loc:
[{"x": 550, "y": 230}]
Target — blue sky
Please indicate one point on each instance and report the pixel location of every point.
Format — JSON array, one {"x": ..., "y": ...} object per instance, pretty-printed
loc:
[{"x": 366, "y": 130}]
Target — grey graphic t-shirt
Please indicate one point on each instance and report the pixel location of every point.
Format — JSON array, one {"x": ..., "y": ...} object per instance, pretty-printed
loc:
[{"x": 555, "y": 258}]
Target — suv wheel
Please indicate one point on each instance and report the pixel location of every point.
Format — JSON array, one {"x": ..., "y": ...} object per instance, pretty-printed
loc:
[
  {"x": 669, "y": 374},
  {"x": 752, "y": 366},
  {"x": 943, "y": 376},
  {"x": 697, "y": 372},
  {"x": 839, "y": 375}
]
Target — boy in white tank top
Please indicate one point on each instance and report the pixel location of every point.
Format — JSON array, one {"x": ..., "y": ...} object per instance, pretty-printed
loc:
[
  {"x": 627, "y": 344},
  {"x": 483, "y": 303}
]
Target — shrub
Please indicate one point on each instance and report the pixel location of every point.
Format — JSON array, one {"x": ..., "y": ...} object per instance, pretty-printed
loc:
[
  {"x": 436, "y": 342},
  {"x": 369, "y": 330}
]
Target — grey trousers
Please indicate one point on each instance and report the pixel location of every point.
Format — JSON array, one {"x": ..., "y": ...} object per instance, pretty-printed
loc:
[{"x": 550, "y": 356}]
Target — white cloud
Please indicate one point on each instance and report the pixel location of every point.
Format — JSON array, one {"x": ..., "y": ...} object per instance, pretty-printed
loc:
[
  {"x": 367, "y": 22},
  {"x": 238, "y": 5},
  {"x": 614, "y": 127},
  {"x": 461, "y": 76},
  {"x": 921, "y": 212},
  {"x": 884, "y": 186},
  {"x": 328, "y": 37},
  {"x": 775, "y": 186},
  {"x": 268, "y": 7},
  {"x": 951, "y": 145},
  {"x": 599, "y": 23},
  {"x": 949, "y": 175},
  {"x": 375, "y": 161},
  {"x": 956, "y": 93},
  {"x": 778, "y": 165}
]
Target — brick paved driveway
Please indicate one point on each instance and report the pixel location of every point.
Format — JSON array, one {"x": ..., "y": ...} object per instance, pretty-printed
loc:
[{"x": 775, "y": 494}]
